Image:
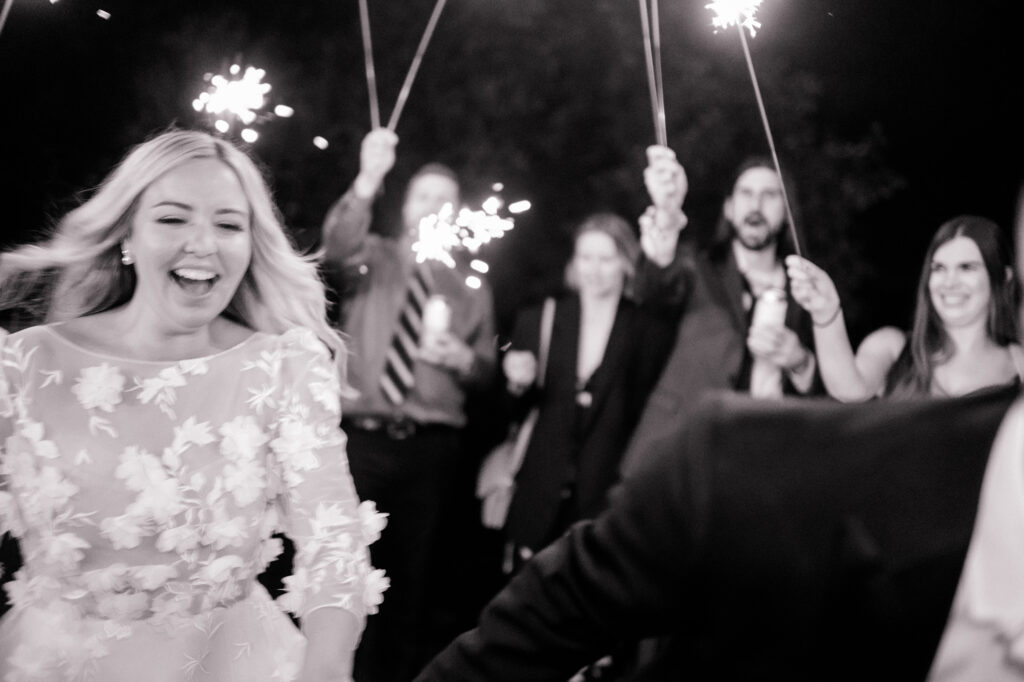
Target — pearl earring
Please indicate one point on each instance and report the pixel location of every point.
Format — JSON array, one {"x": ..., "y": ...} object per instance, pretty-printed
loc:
[{"x": 126, "y": 255}]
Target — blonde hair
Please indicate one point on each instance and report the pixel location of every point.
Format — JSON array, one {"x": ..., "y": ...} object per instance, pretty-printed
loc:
[{"x": 78, "y": 270}]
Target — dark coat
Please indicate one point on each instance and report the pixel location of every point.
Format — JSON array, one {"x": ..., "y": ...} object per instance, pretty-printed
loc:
[
  {"x": 807, "y": 540},
  {"x": 574, "y": 454}
]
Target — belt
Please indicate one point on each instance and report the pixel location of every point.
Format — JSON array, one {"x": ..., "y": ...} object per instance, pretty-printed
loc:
[{"x": 395, "y": 428}]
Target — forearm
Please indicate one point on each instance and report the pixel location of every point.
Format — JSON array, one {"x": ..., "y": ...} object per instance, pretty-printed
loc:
[
  {"x": 479, "y": 370},
  {"x": 837, "y": 363},
  {"x": 483, "y": 342},
  {"x": 345, "y": 227},
  {"x": 331, "y": 638},
  {"x": 664, "y": 289}
]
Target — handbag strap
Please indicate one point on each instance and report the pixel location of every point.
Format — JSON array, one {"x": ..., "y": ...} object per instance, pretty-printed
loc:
[{"x": 547, "y": 320}]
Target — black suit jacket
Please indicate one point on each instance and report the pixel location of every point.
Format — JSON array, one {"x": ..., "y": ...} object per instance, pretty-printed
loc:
[{"x": 801, "y": 541}]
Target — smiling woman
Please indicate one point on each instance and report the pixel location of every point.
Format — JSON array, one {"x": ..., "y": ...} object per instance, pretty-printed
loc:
[
  {"x": 181, "y": 407},
  {"x": 965, "y": 334},
  {"x": 190, "y": 245}
]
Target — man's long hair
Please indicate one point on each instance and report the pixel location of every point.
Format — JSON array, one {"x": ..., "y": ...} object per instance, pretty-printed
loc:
[{"x": 721, "y": 240}]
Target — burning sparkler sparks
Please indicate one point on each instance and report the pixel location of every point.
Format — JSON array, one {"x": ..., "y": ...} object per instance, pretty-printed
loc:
[
  {"x": 240, "y": 97},
  {"x": 445, "y": 233},
  {"x": 437, "y": 237},
  {"x": 740, "y": 13}
]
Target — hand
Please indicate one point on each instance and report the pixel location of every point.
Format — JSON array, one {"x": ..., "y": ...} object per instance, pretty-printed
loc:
[
  {"x": 446, "y": 350},
  {"x": 659, "y": 233},
  {"x": 376, "y": 159},
  {"x": 665, "y": 178},
  {"x": 813, "y": 289},
  {"x": 331, "y": 638},
  {"x": 520, "y": 367},
  {"x": 313, "y": 672},
  {"x": 777, "y": 345}
]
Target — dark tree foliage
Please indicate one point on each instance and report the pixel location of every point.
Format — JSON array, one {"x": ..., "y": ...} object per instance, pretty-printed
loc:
[{"x": 549, "y": 98}]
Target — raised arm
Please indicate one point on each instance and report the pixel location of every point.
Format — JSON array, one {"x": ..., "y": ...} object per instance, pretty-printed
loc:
[
  {"x": 847, "y": 376},
  {"x": 663, "y": 273},
  {"x": 348, "y": 221}
]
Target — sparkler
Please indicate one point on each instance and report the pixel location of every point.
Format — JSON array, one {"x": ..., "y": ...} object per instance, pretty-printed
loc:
[
  {"x": 241, "y": 98},
  {"x": 371, "y": 76},
  {"x": 4, "y": 12},
  {"x": 410, "y": 76},
  {"x": 652, "y": 55},
  {"x": 445, "y": 233},
  {"x": 742, "y": 14},
  {"x": 403, "y": 94}
]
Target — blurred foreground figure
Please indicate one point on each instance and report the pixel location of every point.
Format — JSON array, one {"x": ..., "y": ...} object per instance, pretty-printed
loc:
[
  {"x": 772, "y": 541},
  {"x": 788, "y": 541},
  {"x": 181, "y": 405}
]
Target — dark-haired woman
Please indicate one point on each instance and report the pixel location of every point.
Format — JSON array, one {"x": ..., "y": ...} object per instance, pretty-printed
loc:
[{"x": 964, "y": 337}]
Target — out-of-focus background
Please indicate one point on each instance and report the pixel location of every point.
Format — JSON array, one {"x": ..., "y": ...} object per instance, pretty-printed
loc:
[{"x": 890, "y": 116}]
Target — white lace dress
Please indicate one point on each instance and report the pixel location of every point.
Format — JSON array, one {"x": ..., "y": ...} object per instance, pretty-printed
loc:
[{"x": 144, "y": 495}]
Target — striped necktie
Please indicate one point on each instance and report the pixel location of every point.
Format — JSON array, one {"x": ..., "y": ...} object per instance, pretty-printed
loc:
[{"x": 397, "y": 378}]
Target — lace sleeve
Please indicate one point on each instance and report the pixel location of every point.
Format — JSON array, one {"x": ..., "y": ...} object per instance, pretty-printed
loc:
[
  {"x": 330, "y": 527},
  {"x": 9, "y": 523}
]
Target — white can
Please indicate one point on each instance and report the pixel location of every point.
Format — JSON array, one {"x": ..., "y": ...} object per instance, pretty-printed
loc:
[
  {"x": 770, "y": 309},
  {"x": 437, "y": 316}
]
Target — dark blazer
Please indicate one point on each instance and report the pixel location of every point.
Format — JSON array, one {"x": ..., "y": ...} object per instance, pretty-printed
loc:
[
  {"x": 710, "y": 350},
  {"x": 806, "y": 540},
  {"x": 573, "y": 457}
]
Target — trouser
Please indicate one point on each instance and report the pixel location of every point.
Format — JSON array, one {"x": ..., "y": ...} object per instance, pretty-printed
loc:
[{"x": 410, "y": 477}]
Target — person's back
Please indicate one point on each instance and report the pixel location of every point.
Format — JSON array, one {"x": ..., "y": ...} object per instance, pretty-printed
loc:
[{"x": 801, "y": 540}]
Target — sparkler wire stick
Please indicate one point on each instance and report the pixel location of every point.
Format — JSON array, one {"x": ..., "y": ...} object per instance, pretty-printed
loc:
[
  {"x": 656, "y": 42},
  {"x": 403, "y": 94},
  {"x": 3, "y": 13},
  {"x": 371, "y": 76},
  {"x": 771, "y": 141},
  {"x": 652, "y": 79}
]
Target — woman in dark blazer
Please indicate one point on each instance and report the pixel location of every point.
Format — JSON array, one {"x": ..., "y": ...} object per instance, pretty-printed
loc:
[{"x": 605, "y": 355}]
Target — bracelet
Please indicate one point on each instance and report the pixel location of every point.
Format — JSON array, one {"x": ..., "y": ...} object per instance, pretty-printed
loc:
[{"x": 830, "y": 320}]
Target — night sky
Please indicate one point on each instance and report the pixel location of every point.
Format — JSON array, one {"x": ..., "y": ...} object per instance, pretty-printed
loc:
[{"x": 934, "y": 81}]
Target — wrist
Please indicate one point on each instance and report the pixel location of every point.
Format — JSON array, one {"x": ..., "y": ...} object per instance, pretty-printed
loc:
[
  {"x": 824, "y": 322},
  {"x": 365, "y": 187}
]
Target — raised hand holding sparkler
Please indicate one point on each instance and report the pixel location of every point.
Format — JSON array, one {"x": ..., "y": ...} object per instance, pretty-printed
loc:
[
  {"x": 742, "y": 14},
  {"x": 376, "y": 159},
  {"x": 662, "y": 222}
]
